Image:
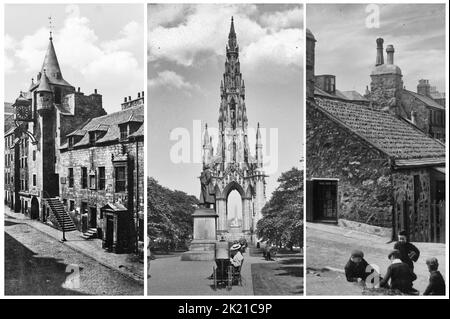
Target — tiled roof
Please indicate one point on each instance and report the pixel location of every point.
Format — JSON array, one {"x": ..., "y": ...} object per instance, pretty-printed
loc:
[
  {"x": 390, "y": 134},
  {"x": 425, "y": 99},
  {"x": 343, "y": 95},
  {"x": 110, "y": 124},
  {"x": 353, "y": 96},
  {"x": 437, "y": 95}
]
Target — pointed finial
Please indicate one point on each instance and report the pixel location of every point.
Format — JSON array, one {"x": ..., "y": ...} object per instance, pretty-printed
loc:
[{"x": 50, "y": 26}]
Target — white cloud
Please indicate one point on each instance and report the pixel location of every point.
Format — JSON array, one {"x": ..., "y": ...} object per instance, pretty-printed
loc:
[
  {"x": 165, "y": 15},
  {"x": 131, "y": 34},
  {"x": 282, "y": 48},
  {"x": 283, "y": 19},
  {"x": 270, "y": 43},
  {"x": 202, "y": 31},
  {"x": 171, "y": 80},
  {"x": 9, "y": 47}
]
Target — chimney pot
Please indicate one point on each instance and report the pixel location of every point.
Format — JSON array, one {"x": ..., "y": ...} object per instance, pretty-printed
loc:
[
  {"x": 95, "y": 91},
  {"x": 142, "y": 94},
  {"x": 139, "y": 95},
  {"x": 78, "y": 89},
  {"x": 390, "y": 54},
  {"x": 125, "y": 99},
  {"x": 129, "y": 98},
  {"x": 380, "y": 57}
]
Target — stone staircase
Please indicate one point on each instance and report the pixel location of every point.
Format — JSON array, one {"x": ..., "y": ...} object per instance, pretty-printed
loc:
[
  {"x": 90, "y": 234},
  {"x": 63, "y": 218}
]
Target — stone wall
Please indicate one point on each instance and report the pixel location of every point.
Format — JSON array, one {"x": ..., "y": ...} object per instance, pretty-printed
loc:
[
  {"x": 364, "y": 188},
  {"x": 409, "y": 103},
  {"x": 386, "y": 91}
]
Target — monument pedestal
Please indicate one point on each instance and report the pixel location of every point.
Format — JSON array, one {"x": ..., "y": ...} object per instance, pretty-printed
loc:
[{"x": 203, "y": 245}]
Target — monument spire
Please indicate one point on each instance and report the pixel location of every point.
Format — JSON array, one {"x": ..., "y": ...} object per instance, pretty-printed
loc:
[{"x": 232, "y": 43}]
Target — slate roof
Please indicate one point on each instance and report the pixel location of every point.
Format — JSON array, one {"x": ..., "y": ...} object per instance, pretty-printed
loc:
[
  {"x": 425, "y": 99},
  {"x": 390, "y": 134},
  {"x": 343, "y": 95},
  {"x": 109, "y": 124}
]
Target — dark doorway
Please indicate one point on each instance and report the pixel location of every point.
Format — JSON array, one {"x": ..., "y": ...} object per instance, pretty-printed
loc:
[
  {"x": 322, "y": 205},
  {"x": 34, "y": 208},
  {"x": 109, "y": 231},
  {"x": 325, "y": 200},
  {"x": 93, "y": 217}
]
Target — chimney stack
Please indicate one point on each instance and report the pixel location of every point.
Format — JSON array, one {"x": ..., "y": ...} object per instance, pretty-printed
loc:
[
  {"x": 380, "y": 58},
  {"x": 424, "y": 87},
  {"x": 390, "y": 54},
  {"x": 95, "y": 91},
  {"x": 142, "y": 94},
  {"x": 139, "y": 95},
  {"x": 129, "y": 98}
]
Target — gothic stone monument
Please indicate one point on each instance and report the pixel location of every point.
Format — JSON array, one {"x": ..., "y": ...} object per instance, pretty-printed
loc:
[{"x": 230, "y": 167}]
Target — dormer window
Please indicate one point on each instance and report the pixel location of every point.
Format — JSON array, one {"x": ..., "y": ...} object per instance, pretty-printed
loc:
[
  {"x": 92, "y": 137},
  {"x": 123, "y": 131},
  {"x": 71, "y": 142}
]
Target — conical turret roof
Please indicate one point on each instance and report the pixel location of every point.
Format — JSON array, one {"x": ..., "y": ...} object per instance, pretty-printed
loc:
[
  {"x": 51, "y": 66},
  {"x": 44, "y": 85}
]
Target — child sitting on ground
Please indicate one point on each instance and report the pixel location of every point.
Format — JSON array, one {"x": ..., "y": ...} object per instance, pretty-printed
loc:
[
  {"x": 436, "y": 285},
  {"x": 355, "y": 269},
  {"x": 399, "y": 274}
]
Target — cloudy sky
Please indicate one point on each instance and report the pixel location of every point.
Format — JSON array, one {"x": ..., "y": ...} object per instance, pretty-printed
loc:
[
  {"x": 186, "y": 56},
  {"x": 346, "y": 47},
  {"x": 98, "y": 47}
]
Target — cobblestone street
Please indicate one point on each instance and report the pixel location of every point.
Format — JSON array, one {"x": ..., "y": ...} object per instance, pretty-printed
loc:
[{"x": 39, "y": 264}]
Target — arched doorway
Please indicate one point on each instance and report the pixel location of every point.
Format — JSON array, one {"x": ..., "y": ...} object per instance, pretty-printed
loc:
[
  {"x": 234, "y": 209},
  {"x": 34, "y": 208}
]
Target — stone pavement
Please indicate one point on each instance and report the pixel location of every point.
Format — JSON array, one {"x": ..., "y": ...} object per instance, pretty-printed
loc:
[
  {"x": 171, "y": 276},
  {"x": 328, "y": 248},
  {"x": 126, "y": 264}
]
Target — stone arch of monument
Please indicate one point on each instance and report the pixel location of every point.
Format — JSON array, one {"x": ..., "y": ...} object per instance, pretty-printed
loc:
[{"x": 247, "y": 210}]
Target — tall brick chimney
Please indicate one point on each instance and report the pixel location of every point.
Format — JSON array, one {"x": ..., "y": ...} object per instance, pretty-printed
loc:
[{"x": 380, "y": 57}]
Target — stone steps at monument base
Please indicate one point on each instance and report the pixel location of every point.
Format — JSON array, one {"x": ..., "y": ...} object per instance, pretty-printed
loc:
[{"x": 198, "y": 255}]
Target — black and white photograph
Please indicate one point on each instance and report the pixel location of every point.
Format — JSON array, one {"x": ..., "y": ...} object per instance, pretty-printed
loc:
[
  {"x": 74, "y": 149},
  {"x": 375, "y": 149},
  {"x": 225, "y": 167}
]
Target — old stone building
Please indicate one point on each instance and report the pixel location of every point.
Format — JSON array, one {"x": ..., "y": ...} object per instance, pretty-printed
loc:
[
  {"x": 426, "y": 112},
  {"x": 368, "y": 163},
  {"x": 47, "y": 134}
]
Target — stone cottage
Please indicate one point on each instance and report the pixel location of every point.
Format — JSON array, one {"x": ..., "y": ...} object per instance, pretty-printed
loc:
[{"x": 367, "y": 163}]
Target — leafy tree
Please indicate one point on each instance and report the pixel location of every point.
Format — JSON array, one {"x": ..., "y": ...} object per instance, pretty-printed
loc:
[
  {"x": 282, "y": 221},
  {"x": 169, "y": 219}
]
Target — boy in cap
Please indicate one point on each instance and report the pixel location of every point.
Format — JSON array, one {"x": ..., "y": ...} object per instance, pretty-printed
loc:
[
  {"x": 355, "y": 269},
  {"x": 400, "y": 275},
  {"x": 436, "y": 285},
  {"x": 408, "y": 252}
]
